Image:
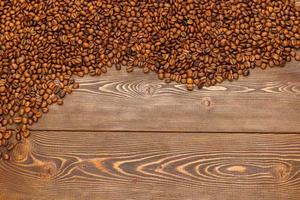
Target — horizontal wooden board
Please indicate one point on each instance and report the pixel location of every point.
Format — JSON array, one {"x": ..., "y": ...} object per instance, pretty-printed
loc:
[
  {"x": 143, "y": 165},
  {"x": 267, "y": 101}
]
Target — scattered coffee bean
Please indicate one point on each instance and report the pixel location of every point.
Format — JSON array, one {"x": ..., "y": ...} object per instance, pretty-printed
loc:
[
  {"x": 5, "y": 156},
  {"x": 297, "y": 57},
  {"x": 246, "y": 72},
  {"x": 45, "y": 44}
]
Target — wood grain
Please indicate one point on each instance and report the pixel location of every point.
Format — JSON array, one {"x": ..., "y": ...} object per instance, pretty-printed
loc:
[
  {"x": 133, "y": 137},
  {"x": 267, "y": 101},
  {"x": 140, "y": 165}
]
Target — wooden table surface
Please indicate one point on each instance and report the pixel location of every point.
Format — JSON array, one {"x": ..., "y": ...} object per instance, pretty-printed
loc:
[{"x": 133, "y": 137}]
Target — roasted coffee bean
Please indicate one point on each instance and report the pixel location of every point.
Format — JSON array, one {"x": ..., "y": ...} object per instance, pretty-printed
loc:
[
  {"x": 5, "y": 156},
  {"x": 62, "y": 94},
  {"x": 44, "y": 45},
  {"x": 10, "y": 146},
  {"x": 297, "y": 57},
  {"x": 60, "y": 102},
  {"x": 18, "y": 137},
  {"x": 246, "y": 72},
  {"x": 26, "y": 133}
]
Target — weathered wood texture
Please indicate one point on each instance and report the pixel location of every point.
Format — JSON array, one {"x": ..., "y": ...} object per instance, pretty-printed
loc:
[
  {"x": 267, "y": 101},
  {"x": 164, "y": 166},
  {"x": 132, "y": 137}
]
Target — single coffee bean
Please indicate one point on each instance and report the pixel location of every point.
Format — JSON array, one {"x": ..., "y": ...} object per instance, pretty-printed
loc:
[
  {"x": 18, "y": 137},
  {"x": 10, "y": 147},
  {"x": 246, "y": 72},
  {"x": 26, "y": 133},
  {"x": 62, "y": 94},
  {"x": 2, "y": 89},
  {"x": 297, "y": 57},
  {"x": 60, "y": 102},
  {"x": 5, "y": 156}
]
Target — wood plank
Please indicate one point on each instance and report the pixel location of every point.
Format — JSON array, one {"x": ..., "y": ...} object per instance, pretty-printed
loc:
[
  {"x": 267, "y": 101},
  {"x": 140, "y": 165}
]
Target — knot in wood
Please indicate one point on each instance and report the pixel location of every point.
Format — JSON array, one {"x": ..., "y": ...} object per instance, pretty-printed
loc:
[
  {"x": 48, "y": 170},
  {"x": 281, "y": 172}
]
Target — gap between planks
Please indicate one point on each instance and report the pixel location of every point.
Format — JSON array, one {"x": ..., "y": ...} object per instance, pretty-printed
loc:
[{"x": 175, "y": 132}]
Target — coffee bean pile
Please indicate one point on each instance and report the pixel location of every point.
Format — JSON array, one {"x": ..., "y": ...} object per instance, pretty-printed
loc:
[{"x": 43, "y": 44}]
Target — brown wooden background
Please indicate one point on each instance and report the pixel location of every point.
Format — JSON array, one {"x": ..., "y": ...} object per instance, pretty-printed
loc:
[{"x": 133, "y": 137}]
